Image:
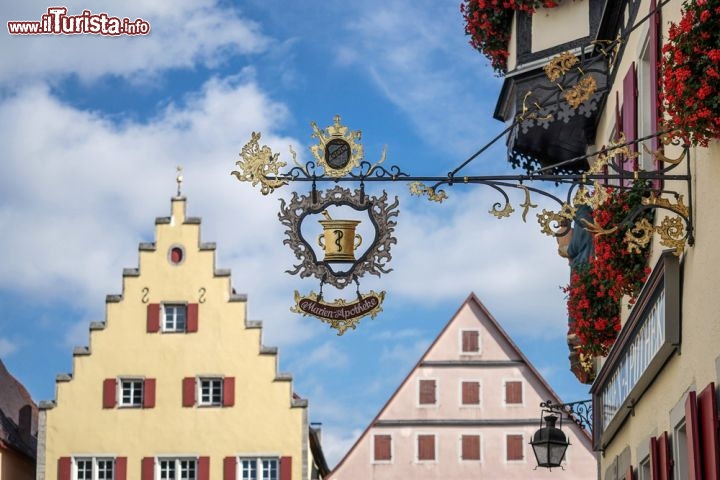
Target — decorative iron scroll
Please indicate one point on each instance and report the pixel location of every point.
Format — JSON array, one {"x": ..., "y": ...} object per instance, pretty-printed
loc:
[
  {"x": 608, "y": 168},
  {"x": 579, "y": 412}
]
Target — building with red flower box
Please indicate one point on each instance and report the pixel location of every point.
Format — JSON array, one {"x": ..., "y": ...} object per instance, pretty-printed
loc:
[{"x": 587, "y": 77}]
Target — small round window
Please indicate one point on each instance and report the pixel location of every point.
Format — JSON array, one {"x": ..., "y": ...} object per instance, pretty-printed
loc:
[{"x": 176, "y": 255}]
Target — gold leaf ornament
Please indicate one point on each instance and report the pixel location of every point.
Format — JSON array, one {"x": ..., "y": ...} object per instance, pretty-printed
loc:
[{"x": 258, "y": 164}]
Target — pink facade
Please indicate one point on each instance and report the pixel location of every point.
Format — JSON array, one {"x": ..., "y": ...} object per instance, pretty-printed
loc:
[{"x": 467, "y": 410}]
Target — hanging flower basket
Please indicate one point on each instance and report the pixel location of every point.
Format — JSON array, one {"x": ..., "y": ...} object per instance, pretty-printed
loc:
[
  {"x": 488, "y": 23},
  {"x": 597, "y": 287},
  {"x": 691, "y": 73}
]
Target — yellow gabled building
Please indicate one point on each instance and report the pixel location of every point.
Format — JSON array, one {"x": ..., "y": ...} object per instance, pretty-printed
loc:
[{"x": 176, "y": 383}]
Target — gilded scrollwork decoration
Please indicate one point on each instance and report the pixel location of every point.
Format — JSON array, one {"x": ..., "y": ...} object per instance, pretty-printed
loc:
[
  {"x": 338, "y": 156},
  {"x": 259, "y": 165}
]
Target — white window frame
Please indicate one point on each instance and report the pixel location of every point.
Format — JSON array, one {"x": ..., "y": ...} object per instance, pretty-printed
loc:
[
  {"x": 175, "y": 324},
  {"x": 504, "y": 392},
  {"x": 260, "y": 471},
  {"x": 436, "y": 444},
  {"x": 121, "y": 392},
  {"x": 94, "y": 467},
  {"x": 392, "y": 449},
  {"x": 460, "y": 393},
  {"x": 460, "y": 342},
  {"x": 644, "y": 469},
  {"x": 482, "y": 444},
  {"x": 213, "y": 398},
  {"x": 681, "y": 465},
  {"x": 437, "y": 394},
  {"x": 177, "y": 464}
]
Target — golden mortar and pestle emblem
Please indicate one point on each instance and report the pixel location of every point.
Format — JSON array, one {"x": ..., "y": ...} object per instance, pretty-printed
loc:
[{"x": 339, "y": 239}]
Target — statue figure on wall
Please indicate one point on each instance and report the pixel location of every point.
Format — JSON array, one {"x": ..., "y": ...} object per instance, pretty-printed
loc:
[
  {"x": 577, "y": 247},
  {"x": 577, "y": 244}
]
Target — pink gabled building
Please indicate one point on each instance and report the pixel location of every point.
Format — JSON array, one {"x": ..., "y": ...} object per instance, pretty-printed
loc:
[{"x": 467, "y": 410}]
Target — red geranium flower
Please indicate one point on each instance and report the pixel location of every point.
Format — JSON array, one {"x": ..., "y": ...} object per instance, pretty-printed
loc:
[
  {"x": 690, "y": 81},
  {"x": 596, "y": 288}
]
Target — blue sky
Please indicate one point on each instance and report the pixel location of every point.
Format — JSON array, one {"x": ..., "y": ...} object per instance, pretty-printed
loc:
[{"x": 93, "y": 127}]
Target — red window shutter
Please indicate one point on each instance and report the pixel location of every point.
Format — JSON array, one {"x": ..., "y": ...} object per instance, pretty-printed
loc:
[
  {"x": 514, "y": 447},
  {"x": 513, "y": 392},
  {"x": 153, "y": 317},
  {"x": 228, "y": 391},
  {"x": 229, "y": 468},
  {"x": 654, "y": 460},
  {"x": 382, "y": 447},
  {"x": 149, "y": 393},
  {"x": 64, "y": 468},
  {"x": 664, "y": 458},
  {"x": 693, "y": 438},
  {"x": 427, "y": 392},
  {"x": 109, "y": 392},
  {"x": 471, "y": 393},
  {"x": 285, "y": 468},
  {"x": 192, "y": 317},
  {"x": 470, "y": 447},
  {"x": 708, "y": 422},
  {"x": 204, "y": 468},
  {"x": 148, "y": 468},
  {"x": 629, "y": 112},
  {"x": 426, "y": 447},
  {"x": 188, "y": 391},
  {"x": 120, "y": 468},
  {"x": 470, "y": 341}
]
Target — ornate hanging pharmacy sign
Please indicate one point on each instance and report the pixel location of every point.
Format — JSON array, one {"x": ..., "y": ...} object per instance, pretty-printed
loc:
[
  {"x": 340, "y": 234},
  {"x": 339, "y": 255}
]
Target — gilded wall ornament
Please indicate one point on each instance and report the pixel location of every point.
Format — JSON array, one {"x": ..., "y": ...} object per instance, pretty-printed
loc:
[
  {"x": 560, "y": 65},
  {"x": 257, "y": 164}
]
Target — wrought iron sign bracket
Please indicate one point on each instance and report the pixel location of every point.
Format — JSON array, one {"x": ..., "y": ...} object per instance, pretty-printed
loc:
[
  {"x": 579, "y": 412},
  {"x": 339, "y": 159}
]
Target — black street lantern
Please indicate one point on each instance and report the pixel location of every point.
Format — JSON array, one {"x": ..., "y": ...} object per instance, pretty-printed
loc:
[{"x": 549, "y": 444}]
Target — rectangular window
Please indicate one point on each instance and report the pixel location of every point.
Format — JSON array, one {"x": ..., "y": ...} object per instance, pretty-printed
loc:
[
  {"x": 426, "y": 447},
  {"x": 131, "y": 393},
  {"x": 513, "y": 393},
  {"x": 427, "y": 392},
  {"x": 644, "y": 472},
  {"x": 174, "y": 318},
  {"x": 471, "y": 393},
  {"x": 470, "y": 341},
  {"x": 680, "y": 445},
  {"x": 94, "y": 468},
  {"x": 470, "y": 447},
  {"x": 382, "y": 448},
  {"x": 211, "y": 392},
  {"x": 514, "y": 447},
  {"x": 177, "y": 468},
  {"x": 259, "y": 468}
]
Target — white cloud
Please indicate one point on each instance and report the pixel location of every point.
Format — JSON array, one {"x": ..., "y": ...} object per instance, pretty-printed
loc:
[
  {"x": 183, "y": 34},
  {"x": 79, "y": 192},
  {"x": 446, "y": 251},
  {"x": 416, "y": 53},
  {"x": 7, "y": 347},
  {"x": 327, "y": 355}
]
